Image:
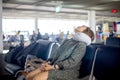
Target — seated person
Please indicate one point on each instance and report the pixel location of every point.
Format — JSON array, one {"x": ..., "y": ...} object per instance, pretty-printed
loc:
[{"x": 65, "y": 64}]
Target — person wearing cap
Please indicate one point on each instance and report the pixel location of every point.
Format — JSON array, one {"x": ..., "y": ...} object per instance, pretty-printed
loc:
[{"x": 66, "y": 63}]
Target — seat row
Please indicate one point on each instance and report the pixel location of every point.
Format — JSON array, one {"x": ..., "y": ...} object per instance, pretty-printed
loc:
[{"x": 102, "y": 60}]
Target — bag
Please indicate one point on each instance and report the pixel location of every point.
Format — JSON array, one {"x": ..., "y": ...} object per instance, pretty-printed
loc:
[{"x": 32, "y": 63}]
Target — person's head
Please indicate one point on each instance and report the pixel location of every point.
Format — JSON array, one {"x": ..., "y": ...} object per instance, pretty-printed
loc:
[
  {"x": 38, "y": 29},
  {"x": 86, "y": 30},
  {"x": 19, "y": 32},
  {"x": 33, "y": 31}
]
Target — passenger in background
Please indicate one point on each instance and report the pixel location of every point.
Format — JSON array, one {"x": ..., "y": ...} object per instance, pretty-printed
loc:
[
  {"x": 52, "y": 37},
  {"x": 3, "y": 36},
  {"x": 111, "y": 34},
  {"x": 33, "y": 37},
  {"x": 66, "y": 63},
  {"x": 60, "y": 37},
  {"x": 38, "y": 35},
  {"x": 46, "y": 36},
  {"x": 18, "y": 36},
  {"x": 67, "y": 34},
  {"x": 12, "y": 39}
]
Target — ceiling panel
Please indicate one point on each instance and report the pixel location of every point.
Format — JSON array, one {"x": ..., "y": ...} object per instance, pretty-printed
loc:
[
  {"x": 70, "y": 8},
  {"x": 11, "y": 5},
  {"x": 21, "y": 1}
]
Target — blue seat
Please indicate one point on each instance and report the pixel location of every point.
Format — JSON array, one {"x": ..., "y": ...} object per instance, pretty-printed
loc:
[
  {"x": 42, "y": 49},
  {"x": 113, "y": 41},
  {"x": 47, "y": 49},
  {"x": 87, "y": 60},
  {"x": 107, "y": 63}
]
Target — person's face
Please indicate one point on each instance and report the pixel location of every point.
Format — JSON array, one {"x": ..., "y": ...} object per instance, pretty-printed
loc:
[{"x": 80, "y": 29}]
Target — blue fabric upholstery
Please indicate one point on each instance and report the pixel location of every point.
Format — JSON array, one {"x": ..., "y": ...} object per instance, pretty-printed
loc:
[
  {"x": 113, "y": 41},
  {"x": 87, "y": 60},
  {"x": 41, "y": 49},
  {"x": 107, "y": 63},
  {"x": 44, "y": 48},
  {"x": 47, "y": 48}
]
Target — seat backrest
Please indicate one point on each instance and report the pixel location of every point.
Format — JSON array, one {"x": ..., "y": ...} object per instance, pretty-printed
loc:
[
  {"x": 87, "y": 60},
  {"x": 41, "y": 49},
  {"x": 47, "y": 49},
  {"x": 107, "y": 63},
  {"x": 9, "y": 57},
  {"x": 113, "y": 41}
]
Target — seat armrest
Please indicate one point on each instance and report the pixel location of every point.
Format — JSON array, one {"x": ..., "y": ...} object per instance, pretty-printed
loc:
[{"x": 12, "y": 68}]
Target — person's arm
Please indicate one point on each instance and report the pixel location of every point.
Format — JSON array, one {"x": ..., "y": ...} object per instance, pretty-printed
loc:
[
  {"x": 73, "y": 59},
  {"x": 48, "y": 67}
]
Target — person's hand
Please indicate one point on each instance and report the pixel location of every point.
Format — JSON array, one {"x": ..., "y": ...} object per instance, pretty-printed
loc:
[
  {"x": 41, "y": 76},
  {"x": 47, "y": 67},
  {"x": 42, "y": 66}
]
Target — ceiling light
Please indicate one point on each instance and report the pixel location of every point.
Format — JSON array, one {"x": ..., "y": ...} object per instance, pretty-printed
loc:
[{"x": 58, "y": 8}]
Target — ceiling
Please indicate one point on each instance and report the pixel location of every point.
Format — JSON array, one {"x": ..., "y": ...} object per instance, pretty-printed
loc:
[{"x": 71, "y": 9}]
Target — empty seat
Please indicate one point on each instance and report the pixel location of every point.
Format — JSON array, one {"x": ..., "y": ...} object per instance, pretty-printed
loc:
[
  {"x": 113, "y": 41},
  {"x": 107, "y": 63},
  {"x": 87, "y": 60}
]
